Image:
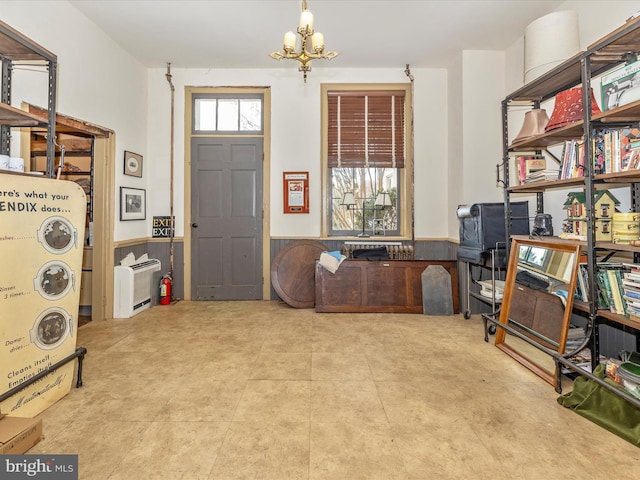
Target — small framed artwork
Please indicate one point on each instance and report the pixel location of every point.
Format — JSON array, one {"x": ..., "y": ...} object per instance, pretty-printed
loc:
[
  {"x": 132, "y": 164},
  {"x": 133, "y": 203}
]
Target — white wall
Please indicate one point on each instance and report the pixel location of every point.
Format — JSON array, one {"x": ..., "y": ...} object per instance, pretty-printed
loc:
[
  {"x": 97, "y": 82},
  {"x": 295, "y": 138},
  {"x": 432, "y": 180},
  {"x": 100, "y": 83},
  {"x": 457, "y": 113},
  {"x": 476, "y": 88},
  {"x": 455, "y": 159}
]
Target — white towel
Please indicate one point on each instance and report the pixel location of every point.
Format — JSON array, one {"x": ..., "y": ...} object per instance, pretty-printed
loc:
[{"x": 330, "y": 261}]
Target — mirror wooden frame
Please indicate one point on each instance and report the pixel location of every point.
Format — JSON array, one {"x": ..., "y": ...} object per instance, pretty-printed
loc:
[{"x": 504, "y": 326}]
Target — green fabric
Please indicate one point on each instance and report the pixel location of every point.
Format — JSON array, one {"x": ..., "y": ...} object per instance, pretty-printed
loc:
[{"x": 603, "y": 407}]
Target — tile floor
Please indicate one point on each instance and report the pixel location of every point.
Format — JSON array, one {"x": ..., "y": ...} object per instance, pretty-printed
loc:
[{"x": 259, "y": 390}]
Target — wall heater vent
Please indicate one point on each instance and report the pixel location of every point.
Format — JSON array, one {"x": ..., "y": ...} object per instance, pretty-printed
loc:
[
  {"x": 132, "y": 287},
  {"x": 396, "y": 250}
]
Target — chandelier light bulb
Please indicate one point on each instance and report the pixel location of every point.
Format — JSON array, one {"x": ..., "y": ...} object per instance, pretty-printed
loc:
[
  {"x": 312, "y": 46},
  {"x": 289, "y": 42},
  {"x": 317, "y": 42},
  {"x": 306, "y": 22}
]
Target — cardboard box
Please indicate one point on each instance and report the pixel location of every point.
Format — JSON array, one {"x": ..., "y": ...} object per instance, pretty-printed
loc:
[
  {"x": 19, "y": 434},
  {"x": 620, "y": 86}
]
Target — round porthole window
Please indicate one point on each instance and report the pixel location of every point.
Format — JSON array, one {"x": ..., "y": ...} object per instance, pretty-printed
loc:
[
  {"x": 51, "y": 328},
  {"x": 54, "y": 280},
  {"x": 57, "y": 235}
]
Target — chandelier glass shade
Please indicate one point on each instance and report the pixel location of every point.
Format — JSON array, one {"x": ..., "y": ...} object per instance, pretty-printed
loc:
[{"x": 312, "y": 45}]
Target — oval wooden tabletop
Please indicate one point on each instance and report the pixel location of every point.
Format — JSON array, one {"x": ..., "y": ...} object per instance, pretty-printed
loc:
[{"x": 293, "y": 272}]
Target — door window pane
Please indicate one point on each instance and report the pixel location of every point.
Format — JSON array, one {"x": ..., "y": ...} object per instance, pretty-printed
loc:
[
  {"x": 205, "y": 113},
  {"x": 250, "y": 115},
  {"x": 228, "y": 114}
]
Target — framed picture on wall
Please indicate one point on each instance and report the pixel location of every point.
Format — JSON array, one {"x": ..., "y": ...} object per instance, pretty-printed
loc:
[
  {"x": 133, "y": 204},
  {"x": 132, "y": 164}
]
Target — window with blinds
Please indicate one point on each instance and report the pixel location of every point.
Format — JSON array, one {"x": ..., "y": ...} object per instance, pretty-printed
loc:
[
  {"x": 366, "y": 129},
  {"x": 365, "y": 135}
]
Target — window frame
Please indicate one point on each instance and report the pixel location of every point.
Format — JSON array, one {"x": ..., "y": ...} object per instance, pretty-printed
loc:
[
  {"x": 404, "y": 203},
  {"x": 226, "y": 96}
]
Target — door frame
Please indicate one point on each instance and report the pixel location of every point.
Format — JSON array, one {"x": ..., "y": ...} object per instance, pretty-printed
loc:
[{"x": 266, "y": 178}]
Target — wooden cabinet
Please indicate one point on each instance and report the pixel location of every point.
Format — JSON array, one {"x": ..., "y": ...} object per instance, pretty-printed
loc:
[{"x": 377, "y": 286}]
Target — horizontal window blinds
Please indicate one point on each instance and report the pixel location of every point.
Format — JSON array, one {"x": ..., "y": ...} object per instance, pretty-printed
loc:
[{"x": 366, "y": 129}]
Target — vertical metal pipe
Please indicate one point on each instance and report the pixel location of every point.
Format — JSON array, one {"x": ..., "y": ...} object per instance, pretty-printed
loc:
[
  {"x": 171, "y": 234},
  {"x": 407, "y": 72}
]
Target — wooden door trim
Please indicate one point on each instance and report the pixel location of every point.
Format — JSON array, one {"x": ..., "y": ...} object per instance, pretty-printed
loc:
[
  {"x": 266, "y": 180},
  {"x": 103, "y": 220}
]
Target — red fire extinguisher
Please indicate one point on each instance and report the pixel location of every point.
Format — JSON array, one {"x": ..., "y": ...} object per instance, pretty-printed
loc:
[{"x": 165, "y": 290}]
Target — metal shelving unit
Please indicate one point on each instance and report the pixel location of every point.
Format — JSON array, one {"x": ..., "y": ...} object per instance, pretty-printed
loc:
[
  {"x": 605, "y": 54},
  {"x": 16, "y": 48}
]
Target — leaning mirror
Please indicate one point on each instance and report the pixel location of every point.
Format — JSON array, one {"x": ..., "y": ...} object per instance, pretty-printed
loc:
[{"x": 537, "y": 303}]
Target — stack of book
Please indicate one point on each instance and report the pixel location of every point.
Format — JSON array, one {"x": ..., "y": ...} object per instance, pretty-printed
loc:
[
  {"x": 533, "y": 168},
  {"x": 625, "y": 372},
  {"x": 618, "y": 287},
  {"x": 582, "y": 359},
  {"x": 540, "y": 175},
  {"x": 609, "y": 281},
  {"x": 631, "y": 290}
]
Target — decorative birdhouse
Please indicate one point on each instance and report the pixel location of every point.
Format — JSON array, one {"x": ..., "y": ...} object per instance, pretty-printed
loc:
[{"x": 575, "y": 225}]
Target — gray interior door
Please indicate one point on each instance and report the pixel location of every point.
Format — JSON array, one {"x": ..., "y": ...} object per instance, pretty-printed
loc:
[{"x": 226, "y": 218}]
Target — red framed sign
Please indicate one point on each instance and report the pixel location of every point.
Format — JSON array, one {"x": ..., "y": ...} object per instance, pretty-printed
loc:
[{"x": 296, "y": 192}]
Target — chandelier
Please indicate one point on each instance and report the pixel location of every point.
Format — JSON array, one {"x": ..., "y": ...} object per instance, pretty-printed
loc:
[{"x": 304, "y": 56}]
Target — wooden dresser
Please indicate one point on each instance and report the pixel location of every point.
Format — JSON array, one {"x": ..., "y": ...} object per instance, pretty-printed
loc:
[{"x": 393, "y": 286}]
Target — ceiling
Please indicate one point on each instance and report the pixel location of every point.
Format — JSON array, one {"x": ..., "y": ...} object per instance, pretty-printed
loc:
[{"x": 368, "y": 34}]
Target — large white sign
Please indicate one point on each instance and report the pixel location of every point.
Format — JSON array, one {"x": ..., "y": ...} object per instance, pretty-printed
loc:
[{"x": 42, "y": 224}]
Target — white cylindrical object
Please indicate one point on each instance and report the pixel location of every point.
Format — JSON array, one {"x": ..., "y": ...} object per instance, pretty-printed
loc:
[
  {"x": 16, "y": 164},
  {"x": 306, "y": 21},
  {"x": 549, "y": 41},
  {"x": 289, "y": 42},
  {"x": 4, "y": 162},
  {"x": 317, "y": 42},
  {"x": 464, "y": 211}
]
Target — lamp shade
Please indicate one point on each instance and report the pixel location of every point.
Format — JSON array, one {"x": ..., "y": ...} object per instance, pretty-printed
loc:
[
  {"x": 535, "y": 121},
  {"x": 549, "y": 41},
  {"x": 383, "y": 200},
  {"x": 568, "y": 108},
  {"x": 348, "y": 199}
]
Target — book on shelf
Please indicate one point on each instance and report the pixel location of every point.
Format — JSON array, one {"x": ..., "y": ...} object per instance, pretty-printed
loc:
[
  {"x": 629, "y": 142},
  {"x": 631, "y": 288},
  {"x": 609, "y": 279},
  {"x": 597, "y": 150},
  {"x": 615, "y": 149},
  {"x": 615, "y": 284},
  {"x": 527, "y": 165},
  {"x": 541, "y": 175},
  {"x": 572, "y": 165},
  {"x": 582, "y": 284}
]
